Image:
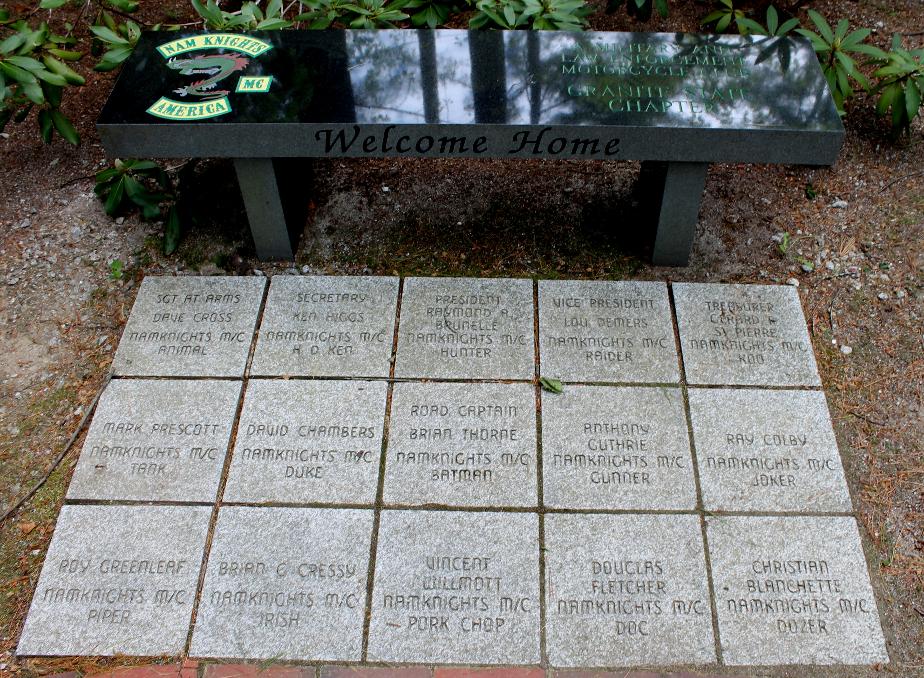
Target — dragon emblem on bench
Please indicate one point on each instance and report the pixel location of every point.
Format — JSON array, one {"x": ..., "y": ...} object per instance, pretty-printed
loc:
[{"x": 216, "y": 66}]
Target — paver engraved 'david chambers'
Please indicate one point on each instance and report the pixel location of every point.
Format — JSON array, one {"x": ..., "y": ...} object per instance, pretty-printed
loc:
[
  {"x": 285, "y": 583},
  {"x": 744, "y": 335},
  {"x": 162, "y": 440},
  {"x": 594, "y": 330},
  {"x": 456, "y": 587},
  {"x": 466, "y": 328},
  {"x": 117, "y": 580},
  {"x": 190, "y": 327},
  {"x": 462, "y": 445},
  {"x": 308, "y": 441},
  {"x": 327, "y": 326},
  {"x": 626, "y": 589},
  {"x": 793, "y": 590}
]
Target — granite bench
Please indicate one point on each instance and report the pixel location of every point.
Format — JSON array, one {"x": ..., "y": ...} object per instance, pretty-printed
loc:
[{"x": 676, "y": 102}]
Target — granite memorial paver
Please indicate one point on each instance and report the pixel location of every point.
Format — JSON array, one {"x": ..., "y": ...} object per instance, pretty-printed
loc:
[
  {"x": 462, "y": 445},
  {"x": 466, "y": 328},
  {"x": 285, "y": 583},
  {"x": 793, "y": 590},
  {"x": 761, "y": 450},
  {"x": 308, "y": 441},
  {"x": 456, "y": 588},
  {"x": 595, "y": 330},
  {"x": 608, "y": 447},
  {"x": 160, "y": 440},
  {"x": 118, "y": 580},
  {"x": 190, "y": 327},
  {"x": 747, "y": 335},
  {"x": 626, "y": 589},
  {"x": 327, "y": 326}
]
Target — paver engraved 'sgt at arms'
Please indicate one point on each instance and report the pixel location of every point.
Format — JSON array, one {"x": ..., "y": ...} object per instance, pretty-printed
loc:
[{"x": 218, "y": 66}]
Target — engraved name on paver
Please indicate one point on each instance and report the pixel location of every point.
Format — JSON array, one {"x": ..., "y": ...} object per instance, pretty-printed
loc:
[
  {"x": 457, "y": 594},
  {"x": 490, "y": 423},
  {"x": 594, "y": 328},
  {"x": 746, "y": 332},
  {"x": 154, "y": 460},
  {"x": 629, "y": 588},
  {"x": 302, "y": 587},
  {"x": 617, "y": 453},
  {"x": 770, "y": 459},
  {"x": 109, "y": 605},
  {"x": 178, "y": 309},
  {"x": 800, "y": 595},
  {"x": 347, "y": 326},
  {"x": 306, "y": 451},
  {"x": 465, "y": 326}
]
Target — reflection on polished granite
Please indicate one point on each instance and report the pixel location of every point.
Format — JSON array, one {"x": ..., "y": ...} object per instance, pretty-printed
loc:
[{"x": 602, "y": 85}]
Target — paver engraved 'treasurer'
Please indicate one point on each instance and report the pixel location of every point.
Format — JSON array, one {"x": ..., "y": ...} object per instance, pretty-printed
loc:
[{"x": 744, "y": 335}]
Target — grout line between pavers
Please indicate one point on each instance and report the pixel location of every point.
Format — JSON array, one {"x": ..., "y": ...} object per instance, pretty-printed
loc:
[
  {"x": 540, "y": 492},
  {"x": 697, "y": 482},
  {"x": 380, "y": 487},
  {"x": 226, "y": 469}
]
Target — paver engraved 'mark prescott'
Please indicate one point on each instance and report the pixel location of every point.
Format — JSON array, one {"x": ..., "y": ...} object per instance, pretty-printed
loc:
[
  {"x": 365, "y": 516},
  {"x": 157, "y": 440}
]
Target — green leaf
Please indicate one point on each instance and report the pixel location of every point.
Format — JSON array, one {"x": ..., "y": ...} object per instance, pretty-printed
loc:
[
  {"x": 912, "y": 100},
  {"x": 67, "y": 55},
  {"x": 65, "y": 128},
  {"x": 51, "y": 78},
  {"x": 62, "y": 69},
  {"x": 18, "y": 74},
  {"x": 106, "y": 34},
  {"x": 273, "y": 24},
  {"x": 551, "y": 385},
  {"x": 114, "y": 199},
  {"x": 28, "y": 63},
  {"x": 751, "y": 26},
  {"x": 773, "y": 20},
  {"x": 45, "y": 125},
  {"x": 33, "y": 92},
  {"x": 172, "y": 231},
  {"x": 823, "y": 28},
  {"x": 12, "y": 43},
  {"x": 113, "y": 58},
  {"x": 787, "y": 26},
  {"x": 52, "y": 4},
  {"x": 841, "y": 30},
  {"x": 723, "y": 23},
  {"x": 818, "y": 44},
  {"x": 124, "y": 5}
]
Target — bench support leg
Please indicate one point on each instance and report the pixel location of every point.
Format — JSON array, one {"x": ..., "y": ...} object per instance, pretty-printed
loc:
[
  {"x": 680, "y": 185},
  {"x": 262, "y": 200}
]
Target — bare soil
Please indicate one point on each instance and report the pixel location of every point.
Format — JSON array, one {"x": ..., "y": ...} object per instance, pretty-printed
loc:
[{"x": 62, "y": 310}]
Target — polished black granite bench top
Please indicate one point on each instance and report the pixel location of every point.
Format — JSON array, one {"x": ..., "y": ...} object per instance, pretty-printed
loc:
[{"x": 443, "y": 93}]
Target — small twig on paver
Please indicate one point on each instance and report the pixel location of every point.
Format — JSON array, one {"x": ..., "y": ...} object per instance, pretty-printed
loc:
[{"x": 35, "y": 488}]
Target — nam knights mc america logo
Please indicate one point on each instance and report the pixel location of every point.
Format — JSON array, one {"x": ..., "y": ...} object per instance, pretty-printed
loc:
[{"x": 206, "y": 97}]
